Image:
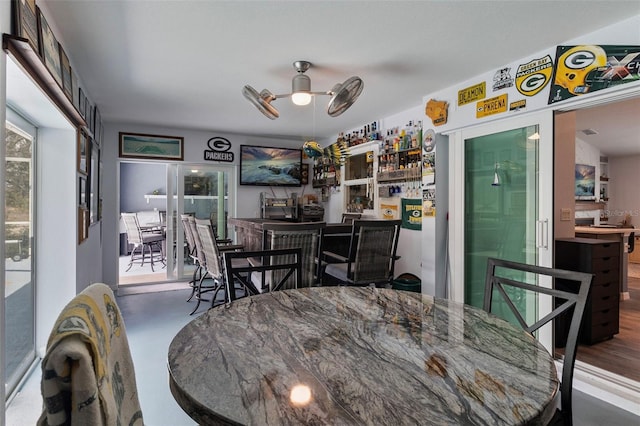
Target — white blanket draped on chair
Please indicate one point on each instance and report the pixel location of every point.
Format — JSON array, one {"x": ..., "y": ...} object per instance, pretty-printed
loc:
[{"x": 88, "y": 376}]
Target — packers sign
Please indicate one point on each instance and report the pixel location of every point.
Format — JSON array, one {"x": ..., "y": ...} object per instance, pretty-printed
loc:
[{"x": 533, "y": 76}]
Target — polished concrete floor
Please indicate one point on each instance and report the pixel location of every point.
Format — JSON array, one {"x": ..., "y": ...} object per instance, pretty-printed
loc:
[{"x": 152, "y": 319}]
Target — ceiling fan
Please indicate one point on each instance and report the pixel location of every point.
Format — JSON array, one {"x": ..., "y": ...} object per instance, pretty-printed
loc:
[{"x": 342, "y": 95}]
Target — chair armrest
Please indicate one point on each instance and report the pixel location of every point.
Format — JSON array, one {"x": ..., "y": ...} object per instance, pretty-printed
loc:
[
  {"x": 254, "y": 261},
  {"x": 231, "y": 247},
  {"x": 224, "y": 241},
  {"x": 335, "y": 256}
]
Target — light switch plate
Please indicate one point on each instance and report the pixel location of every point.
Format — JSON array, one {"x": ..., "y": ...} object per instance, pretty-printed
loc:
[{"x": 565, "y": 214}]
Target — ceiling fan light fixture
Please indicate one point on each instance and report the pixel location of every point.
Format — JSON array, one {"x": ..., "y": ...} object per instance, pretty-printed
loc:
[
  {"x": 301, "y": 90},
  {"x": 342, "y": 95},
  {"x": 301, "y": 98}
]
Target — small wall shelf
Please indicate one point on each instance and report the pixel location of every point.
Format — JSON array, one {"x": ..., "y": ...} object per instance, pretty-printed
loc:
[{"x": 20, "y": 49}]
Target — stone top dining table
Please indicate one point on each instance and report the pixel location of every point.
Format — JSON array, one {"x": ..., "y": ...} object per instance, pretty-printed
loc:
[{"x": 358, "y": 355}]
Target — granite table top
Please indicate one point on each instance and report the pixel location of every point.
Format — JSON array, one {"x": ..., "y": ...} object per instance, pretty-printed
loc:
[{"x": 351, "y": 355}]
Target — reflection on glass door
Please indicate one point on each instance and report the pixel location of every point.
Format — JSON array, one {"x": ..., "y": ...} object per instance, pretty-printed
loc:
[
  {"x": 501, "y": 208},
  {"x": 19, "y": 344}
]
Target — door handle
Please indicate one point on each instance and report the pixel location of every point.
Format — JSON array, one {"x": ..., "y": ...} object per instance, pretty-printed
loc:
[{"x": 542, "y": 233}]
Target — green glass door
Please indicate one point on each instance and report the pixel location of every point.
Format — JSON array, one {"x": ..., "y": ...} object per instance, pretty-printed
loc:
[
  {"x": 508, "y": 183},
  {"x": 501, "y": 203}
]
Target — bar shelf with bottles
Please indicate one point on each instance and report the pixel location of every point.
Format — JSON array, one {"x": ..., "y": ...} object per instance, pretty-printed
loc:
[
  {"x": 399, "y": 154},
  {"x": 325, "y": 173}
]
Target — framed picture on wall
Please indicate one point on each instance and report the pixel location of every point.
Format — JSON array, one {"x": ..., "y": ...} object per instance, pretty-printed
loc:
[
  {"x": 82, "y": 103},
  {"x": 67, "y": 84},
  {"x": 94, "y": 184},
  {"x": 83, "y": 224},
  {"x": 97, "y": 125},
  {"x": 82, "y": 149},
  {"x": 26, "y": 21},
  {"x": 82, "y": 191},
  {"x": 138, "y": 145},
  {"x": 74, "y": 86},
  {"x": 49, "y": 49}
]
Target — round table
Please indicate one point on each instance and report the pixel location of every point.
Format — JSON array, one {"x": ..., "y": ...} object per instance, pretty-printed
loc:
[{"x": 352, "y": 355}]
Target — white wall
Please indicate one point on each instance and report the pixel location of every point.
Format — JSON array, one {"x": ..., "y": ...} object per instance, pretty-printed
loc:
[
  {"x": 195, "y": 142},
  {"x": 624, "y": 197},
  {"x": 57, "y": 252}
]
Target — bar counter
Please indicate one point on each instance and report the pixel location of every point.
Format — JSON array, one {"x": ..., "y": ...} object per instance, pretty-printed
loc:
[
  {"x": 336, "y": 236},
  {"x": 249, "y": 231}
]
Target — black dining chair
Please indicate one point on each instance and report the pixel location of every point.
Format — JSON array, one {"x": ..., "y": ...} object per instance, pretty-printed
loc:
[
  {"x": 504, "y": 277},
  {"x": 240, "y": 267},
  {"x": 372, "y": 254}
]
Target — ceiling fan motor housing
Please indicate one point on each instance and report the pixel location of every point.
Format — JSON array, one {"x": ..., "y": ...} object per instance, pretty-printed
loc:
[{"x": 301, "y": 83}]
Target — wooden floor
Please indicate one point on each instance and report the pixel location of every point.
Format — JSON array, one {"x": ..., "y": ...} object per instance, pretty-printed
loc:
[{"x": 621, "y": 354}]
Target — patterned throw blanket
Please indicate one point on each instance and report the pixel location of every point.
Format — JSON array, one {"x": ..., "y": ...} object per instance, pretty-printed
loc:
[{"x": 87, "y": 374}]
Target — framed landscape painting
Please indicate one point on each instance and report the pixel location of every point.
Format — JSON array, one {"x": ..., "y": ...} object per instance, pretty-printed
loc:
[
  {"x": 158, "y": 147},
  {"x": 50, "y": 51}
]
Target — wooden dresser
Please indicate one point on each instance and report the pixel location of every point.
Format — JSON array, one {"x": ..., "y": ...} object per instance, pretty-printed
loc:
[{"x": 601, "y": 258}]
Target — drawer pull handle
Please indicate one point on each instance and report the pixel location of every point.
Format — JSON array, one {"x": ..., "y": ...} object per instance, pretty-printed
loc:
[
  {"x": 606, "y": 311},
  {"x": 604, "y": 324},
  {"x": 606, "y": 271},
  {"x": 606, "y": 297},
  {"x": 606, "y": 258}
]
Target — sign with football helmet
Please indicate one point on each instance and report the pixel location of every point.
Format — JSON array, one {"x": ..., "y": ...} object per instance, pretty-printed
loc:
[{"x": 588, "y": 68}]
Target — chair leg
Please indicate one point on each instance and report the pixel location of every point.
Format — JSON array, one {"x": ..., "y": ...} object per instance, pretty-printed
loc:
[
  {"x": 198, "y": 298},
  {"x": 200, "y": 291},
  {"x": 150, "y": 247},
  {"x": 193, "y": 282},
  {"x": 133, "y": 251}
]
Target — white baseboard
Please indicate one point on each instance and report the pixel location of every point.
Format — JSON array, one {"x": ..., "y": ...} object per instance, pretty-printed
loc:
[{"x": 606, "y": 386}]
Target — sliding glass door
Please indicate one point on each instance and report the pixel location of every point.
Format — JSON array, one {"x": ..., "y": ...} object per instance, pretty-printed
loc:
[
  {"x": 205, "y": 192},
  {"x": 19, "y": 344},
  {"x": 160, "y": 193},
  {"x": 505, "y": 190}
]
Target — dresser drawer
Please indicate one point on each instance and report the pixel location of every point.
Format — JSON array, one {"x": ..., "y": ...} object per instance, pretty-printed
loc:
[
  {"x": 604, "y": 316},
  {"x": 606, "y": 276},
  {"x": 605, "y": 250},
  {"x": 604, "y": 264},
  {"x": 603, "y": 301},
  {"x": 600, "y": 331}
]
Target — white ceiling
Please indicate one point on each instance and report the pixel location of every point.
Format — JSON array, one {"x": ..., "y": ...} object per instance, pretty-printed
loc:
[{"x": 182, "y": 64}]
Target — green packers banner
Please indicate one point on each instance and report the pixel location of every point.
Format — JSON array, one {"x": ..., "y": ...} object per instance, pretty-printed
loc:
[
  {"x": 412, "y": 213},
  {"x": 589, "y": 68}
]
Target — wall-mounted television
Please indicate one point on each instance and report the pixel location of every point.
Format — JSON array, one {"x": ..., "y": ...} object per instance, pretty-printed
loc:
[
  {"x": 268, "y": 166},
  {"x": 585, "y": 182}
]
